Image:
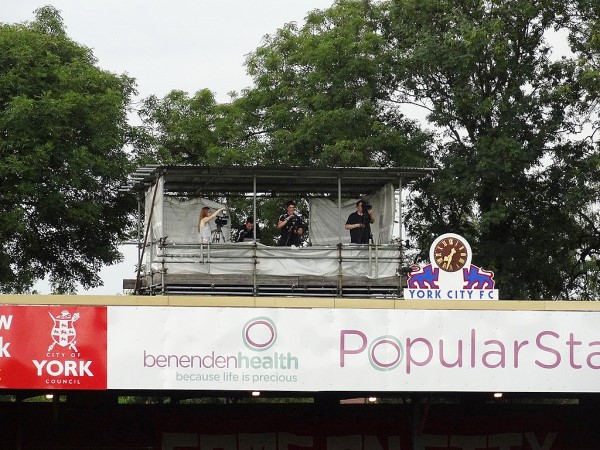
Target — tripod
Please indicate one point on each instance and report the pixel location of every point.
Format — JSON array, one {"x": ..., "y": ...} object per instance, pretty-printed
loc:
[{"x": 217, "y": 235}]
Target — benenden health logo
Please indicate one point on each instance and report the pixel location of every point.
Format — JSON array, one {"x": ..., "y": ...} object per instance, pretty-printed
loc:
[
  {"x": 259, "y": 334},
  {"x": 62, "y": 364},
  {"x": 257, "y": 363}
]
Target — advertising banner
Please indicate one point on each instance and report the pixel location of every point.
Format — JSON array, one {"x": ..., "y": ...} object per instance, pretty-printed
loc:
[
  {"x": 52, "y": 347},
  {"x": 352, "y": 350}
]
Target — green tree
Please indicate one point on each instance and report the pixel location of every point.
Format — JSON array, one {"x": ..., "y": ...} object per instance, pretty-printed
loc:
[
  {"x": 319, "y": 98},
  {"x": 179, "y": 129},
  {"x": 62, "y": 159},
  {"x": 585, "y": 42},
  {"x": 515, "y": 125},
  {"x": 321, "y": 94},
  {"x": 514, "y": 178}
]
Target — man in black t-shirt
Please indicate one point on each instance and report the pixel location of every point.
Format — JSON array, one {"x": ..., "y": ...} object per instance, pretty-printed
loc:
[
  {"x": 359, "y": 223},
  {"x": 291, "y": 226},
  {"x": 246, "y": 231}
]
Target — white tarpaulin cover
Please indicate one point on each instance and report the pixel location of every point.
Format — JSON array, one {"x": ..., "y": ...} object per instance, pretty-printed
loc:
[
  {"x": 325, "y": 261},
  {"x": 327, "y": 223},
  {"x": 174, "y": 245}
]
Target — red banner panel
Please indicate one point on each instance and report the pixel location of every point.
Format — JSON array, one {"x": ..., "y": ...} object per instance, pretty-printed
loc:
[
  {"x": 230, "y": 430},
  {"x": 53, "y": 347},
  {"x": 496, "y": 428}
]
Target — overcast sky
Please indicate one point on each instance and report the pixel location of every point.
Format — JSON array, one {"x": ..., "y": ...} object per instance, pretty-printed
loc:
[
  {"x": 171, "y": 44},
  {"x": 165, "y": 45}
]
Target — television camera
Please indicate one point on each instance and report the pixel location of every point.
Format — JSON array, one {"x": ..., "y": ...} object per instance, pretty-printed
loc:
[{"x": 221, "y": 220}]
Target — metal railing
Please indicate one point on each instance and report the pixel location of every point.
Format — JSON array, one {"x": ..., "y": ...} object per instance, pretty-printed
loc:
[{"x": 344, "y": 266}]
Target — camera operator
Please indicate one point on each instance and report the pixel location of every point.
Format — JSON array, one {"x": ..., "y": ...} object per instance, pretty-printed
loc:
[
  {"x": 206, "y": 215},
  {"x": 246, "y": 231},
  {"x": 359, "y": 223},
  {"x": 291, "y": 226}
]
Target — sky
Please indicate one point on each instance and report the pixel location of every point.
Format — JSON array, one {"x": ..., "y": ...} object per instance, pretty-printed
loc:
[{"x": 165, "y": 45}]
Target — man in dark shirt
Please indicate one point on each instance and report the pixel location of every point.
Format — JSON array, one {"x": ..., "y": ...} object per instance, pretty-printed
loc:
[
  {"x": 359, "y": 223},
  {"x": 246, "y": 231},
  {"x": 291, "y": 226}
]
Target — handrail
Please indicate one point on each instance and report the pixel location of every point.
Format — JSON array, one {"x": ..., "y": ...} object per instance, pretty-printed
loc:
[{"x": 338, "y": 263}]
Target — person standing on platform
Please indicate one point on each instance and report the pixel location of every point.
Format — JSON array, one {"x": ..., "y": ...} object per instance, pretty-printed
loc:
[
  {"x": 206, "y": 215},
  {"x": 291, "y": 226},
  {"x": 359, "y": 223}
]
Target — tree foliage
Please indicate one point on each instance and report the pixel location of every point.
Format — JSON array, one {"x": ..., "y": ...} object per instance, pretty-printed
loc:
[
  {"x": 63, "y": 127},
  {"x": 179, "y": 129},
  {"x": 511, "y": 125},
  {"x": 319, "y": 98},
  {"x": 515, "y": 178},
  {"x": 321, "y": 93}
]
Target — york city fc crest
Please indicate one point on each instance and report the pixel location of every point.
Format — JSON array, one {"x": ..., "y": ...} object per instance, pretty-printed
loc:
[
  {"x": 450, "y": 276},
  {"x": 63, "y": 332}
]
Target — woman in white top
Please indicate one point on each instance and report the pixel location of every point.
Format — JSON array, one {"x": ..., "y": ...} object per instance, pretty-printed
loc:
[{"x": 206, "y": 215}]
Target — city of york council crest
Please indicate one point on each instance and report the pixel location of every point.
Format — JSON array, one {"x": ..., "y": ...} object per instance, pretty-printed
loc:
[{"x": 63, "y": 332}]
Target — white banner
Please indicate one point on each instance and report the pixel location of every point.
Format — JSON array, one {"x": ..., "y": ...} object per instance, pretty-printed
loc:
[{"x": 352, "y": 350}]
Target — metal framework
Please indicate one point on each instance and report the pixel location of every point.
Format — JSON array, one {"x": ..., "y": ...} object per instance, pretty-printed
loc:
[
  {"x": 282, "y": 180},
  {"x": 343, "y": 182}
]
